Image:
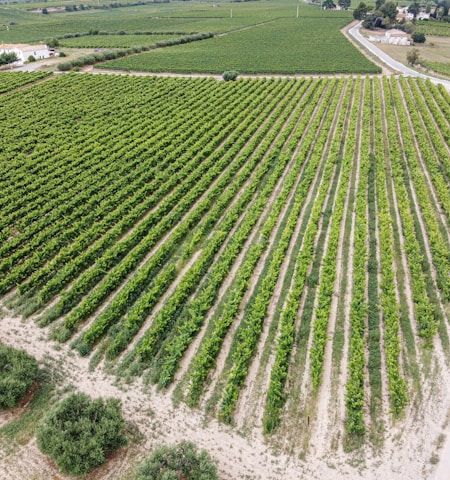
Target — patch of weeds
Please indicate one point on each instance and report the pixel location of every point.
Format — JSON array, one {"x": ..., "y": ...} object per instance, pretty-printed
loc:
[{"x": 434, "y": 460}]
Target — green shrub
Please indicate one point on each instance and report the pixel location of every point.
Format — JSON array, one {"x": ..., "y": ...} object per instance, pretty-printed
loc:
[
  {"x": 78, "y": 433},
  {"x": 183, "y": 460},
  {"x": 31, "y": 58},
  {"x": 65, "y": 67},
  {"x": 230, "y": 75},
  {"x": 62, "y": 54},
  {"x": 78, "y": 62},
  {"x": 17, "y": 372},
  {"x": 418, "y": 37},
  {"x": 53, "y": 42},
  {"x": 89, "y": 60}
]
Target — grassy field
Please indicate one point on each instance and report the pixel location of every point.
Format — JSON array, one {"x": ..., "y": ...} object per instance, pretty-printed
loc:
[
  {"x": 439, "y": 67},
  {"x": 193, "y": 231},
  {"x": 434, "y": 28},
  {"x": 281, "y": 45}
]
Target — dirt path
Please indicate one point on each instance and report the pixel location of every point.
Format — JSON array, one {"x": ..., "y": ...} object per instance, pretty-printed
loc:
[{"x": 134, "y": 73}]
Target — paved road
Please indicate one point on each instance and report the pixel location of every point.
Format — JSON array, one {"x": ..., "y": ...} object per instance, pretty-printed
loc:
[{"x": 355, "y": 33}]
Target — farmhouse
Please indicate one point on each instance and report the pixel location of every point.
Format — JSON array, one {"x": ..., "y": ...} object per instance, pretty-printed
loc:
[
  {"x": 24, "y": 51},
  {"x": 391, "y": 37},
  {"x": 404, "y": 14}
]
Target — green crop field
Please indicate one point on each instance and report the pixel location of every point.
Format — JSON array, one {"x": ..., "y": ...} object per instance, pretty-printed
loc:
[
  {"x": 434, "y": 28},
  {"x": 114, "y": 41},
  {"x": 260, "y": 37},
  {"x": 438, "y": 67},
  {"x": 12, "y": 80},
  {"x": 19, "y": 25},
  {"x": 280, "y": 46},
  {"x": 247, "y": 241}
]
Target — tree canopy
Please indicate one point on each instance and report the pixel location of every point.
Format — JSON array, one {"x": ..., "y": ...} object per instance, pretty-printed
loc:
[
  {"x": 79, "y": 432},
  {"x": 7, "y": 58},
  {"x": 183, "y": 460},
  {"x": 360, "y": 11}
]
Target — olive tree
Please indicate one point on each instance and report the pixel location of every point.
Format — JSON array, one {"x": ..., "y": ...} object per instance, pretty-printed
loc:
[
  {"x": 79, "y": 432},
  {"x": 183, "y": 460}
]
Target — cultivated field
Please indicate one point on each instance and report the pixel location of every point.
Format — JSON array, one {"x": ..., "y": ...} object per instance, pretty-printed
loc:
[
  {"x": 274, "y": 253},
  {"x": 280, "y": 45},
  {"x": 14, "y": 80},
  {"x": 251, "y": 37},
  {"x": 114, "y": 41},
  {"x": 434, "y": 28}
]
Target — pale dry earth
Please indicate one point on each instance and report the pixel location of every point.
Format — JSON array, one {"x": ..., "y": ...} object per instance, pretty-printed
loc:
[{"x": 406, "y": 455}]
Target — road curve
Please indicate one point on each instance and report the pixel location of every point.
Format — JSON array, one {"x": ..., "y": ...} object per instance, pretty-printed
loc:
[{"x": 355, "y": 33}]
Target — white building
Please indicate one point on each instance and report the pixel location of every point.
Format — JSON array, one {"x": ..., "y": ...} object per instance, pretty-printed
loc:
[
  {"x": 392, "y": 37},
  {"x": 24, "y": 51},
  {"x": 403, "y": 14},
  {"x": 423, "y": 16}
]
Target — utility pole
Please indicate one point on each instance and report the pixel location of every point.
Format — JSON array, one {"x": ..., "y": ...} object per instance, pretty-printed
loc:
[
  {"x": 297, "y": 11},
  {"x": 231, "y": 13}
]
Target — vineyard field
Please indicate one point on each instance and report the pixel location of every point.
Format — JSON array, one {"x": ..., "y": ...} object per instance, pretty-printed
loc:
[
  {"x": 434, "y": 28},
  {"x": 280, "y": 45},
  {"x": 114, "y": 41},
  {"x": 13, "y": 80},
  {"x": 180, "y": 17},
  {"x": 272, "y": 252}
]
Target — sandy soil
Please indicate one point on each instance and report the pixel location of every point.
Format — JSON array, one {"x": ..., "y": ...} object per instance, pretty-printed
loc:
[{"x": 238, "y": 457}]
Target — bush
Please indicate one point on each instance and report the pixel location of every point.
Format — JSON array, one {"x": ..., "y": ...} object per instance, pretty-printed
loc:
[
  {"x": 65, "y": 67},
  {"x": 180, "y": 461},
  {"x": 360, "y": 11},
  {"x": 62, "y": 54},
  {"x": 7, "y": 58},
  {"x": 31, "y": 58},
  {"x": 413, "y": 57},
  {"x": 409, "y": 27},
  {"x": 230, "y": 75},
  {"x": 78, "y": 433},
  {"x": 53, "y": 42},
  {"x": 88, "y": 60},
  {"x": 17, "y": 373},
  {"x": 78, "y": 62},
  {"x": 418, "y": 37}
]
